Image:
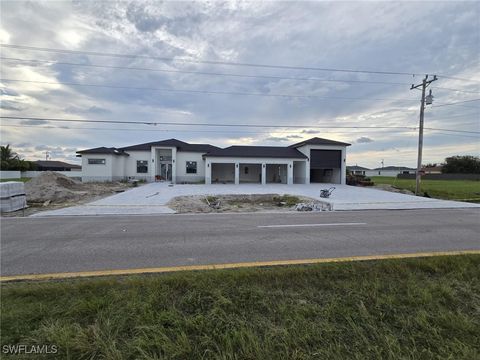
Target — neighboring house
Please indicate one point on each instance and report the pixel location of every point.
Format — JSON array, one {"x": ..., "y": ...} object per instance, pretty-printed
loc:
[
  {"x": 51, "y": 165},
  {"x": 390, "y": 171},
  {"x": 432, "y": 169},
  {"x": 313, "y": 160},
  {"x": 357, "y": 170}
]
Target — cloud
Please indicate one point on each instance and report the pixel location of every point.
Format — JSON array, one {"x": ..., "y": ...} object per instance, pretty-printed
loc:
[
  {"x": 11, "y": 105},
  {"x": 364, "y": 140},
  {"x": 90, "y": 110},
  {"x": 34, "y": 122},
  {"x": 438, "y": 37}
]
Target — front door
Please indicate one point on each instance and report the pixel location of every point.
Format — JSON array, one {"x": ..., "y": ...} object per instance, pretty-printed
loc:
[{"x": 166, "y": 171}]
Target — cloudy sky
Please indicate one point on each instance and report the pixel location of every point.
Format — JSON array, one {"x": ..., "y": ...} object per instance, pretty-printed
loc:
[{"x": 192, "y": 63}]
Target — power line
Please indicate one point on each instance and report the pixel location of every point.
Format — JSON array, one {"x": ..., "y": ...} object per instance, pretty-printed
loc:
[
  {"x": 209, "y": 73},
  {"x": 155, "y": 123},
  {"x": 209, "y": 62},
  {"x": 455, "y": 103},
  {"x": 271, "y": 77},
  {"x": 457, "y": 90},
  {"x": 180, "y": 130},
  {"x": 208, "y": 92}
]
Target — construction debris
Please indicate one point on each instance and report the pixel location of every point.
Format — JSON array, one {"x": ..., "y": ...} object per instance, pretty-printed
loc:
[
  {"x": 313, "y": 206},
  {"x": 51, "y": 188}
]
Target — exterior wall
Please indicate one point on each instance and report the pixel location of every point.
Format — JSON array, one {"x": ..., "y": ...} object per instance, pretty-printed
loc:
[
  {"x": 299, "y": 172},
  {"x": 181, "y": 165},
  {"x": 240, "y": 160},
  {"x": 340, "y": 177},
  {"x": 254, "y": 173},
  {"x": 97, "y": 172},
  {"x": 131, "y": 165},
  {"x": 223, "y": 173},
  {"x": 392, "y": 173}
]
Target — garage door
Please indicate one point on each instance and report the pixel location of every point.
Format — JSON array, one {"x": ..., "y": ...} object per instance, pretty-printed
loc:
[{"x": 325, "y": 159}]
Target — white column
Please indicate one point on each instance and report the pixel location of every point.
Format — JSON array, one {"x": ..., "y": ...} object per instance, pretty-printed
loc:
[
  {"x": 264, "y": 174},
  {"x": 174, "y": 165},
  {"x": 343, "y": 170},
  {"x": 208, "y": 173},
  {"x": 290, "y": 173},
  {"x": 237, "y": 173},
  {"x": 152, "y": 167}
]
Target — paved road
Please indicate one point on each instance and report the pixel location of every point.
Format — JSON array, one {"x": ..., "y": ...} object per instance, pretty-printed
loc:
[{"x": 68, "y": 244}]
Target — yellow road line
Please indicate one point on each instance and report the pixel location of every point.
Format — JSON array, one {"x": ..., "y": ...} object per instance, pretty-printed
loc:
[{"x": 66, "y": 275}]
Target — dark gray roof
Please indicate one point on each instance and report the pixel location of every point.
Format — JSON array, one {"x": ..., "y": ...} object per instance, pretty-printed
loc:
[
  {"x": 103, "y": 150},
  {"x": 258, "y": 151},
  {"x": 180, "y": 145},
  {"x": 148, "y": 146},
  {"x": 319, "y": 141},
  {"x": 56, "y": 164},
  {"x": 394, "y": 168},
  {"x": 356, "y": 167},
  {"x": 203, "y": 148}
]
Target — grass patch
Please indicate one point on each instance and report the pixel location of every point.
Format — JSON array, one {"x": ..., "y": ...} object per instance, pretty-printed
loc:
[
  {"x": 409, "y": 309},
  {"x": 440, "y": 189},
  {"x": 20, "y": 179}
]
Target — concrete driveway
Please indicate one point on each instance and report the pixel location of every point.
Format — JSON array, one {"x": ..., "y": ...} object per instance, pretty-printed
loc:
[{"x": 152, "y": 198}]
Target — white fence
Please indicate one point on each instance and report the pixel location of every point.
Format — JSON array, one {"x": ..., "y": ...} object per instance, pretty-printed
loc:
[
  {"x": 7, "y": 174},
  {"x": 29, "y": 174}
]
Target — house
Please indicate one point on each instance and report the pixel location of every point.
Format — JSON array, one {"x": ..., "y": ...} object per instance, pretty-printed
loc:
[
  {"x": 437, "y": 169},
  {"x": 390, "y": 171},
  {"x": 313, "y": 160},
  {"x": 51, "y": 165},
  {"x": 357, "y": 170}
]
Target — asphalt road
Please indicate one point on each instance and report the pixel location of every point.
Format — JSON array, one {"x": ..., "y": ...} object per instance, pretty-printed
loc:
[{"x": 70, "y": 244}]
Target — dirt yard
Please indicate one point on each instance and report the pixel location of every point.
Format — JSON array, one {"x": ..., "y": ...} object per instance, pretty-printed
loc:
[
  {"x": 237, "y": 203},
  {"x": 51, "y": 190}
]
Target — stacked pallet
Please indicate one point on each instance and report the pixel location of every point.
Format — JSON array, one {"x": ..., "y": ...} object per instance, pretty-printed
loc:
[{"x": 12, "y": 196}]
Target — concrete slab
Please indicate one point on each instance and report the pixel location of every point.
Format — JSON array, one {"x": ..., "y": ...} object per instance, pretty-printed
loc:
[{"x": 152, "y": 198}]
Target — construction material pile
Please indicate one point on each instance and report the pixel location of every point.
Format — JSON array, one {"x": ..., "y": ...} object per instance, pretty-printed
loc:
[
  {"x": 54, "y": 188},
  {"x": 12, "y": 196}
]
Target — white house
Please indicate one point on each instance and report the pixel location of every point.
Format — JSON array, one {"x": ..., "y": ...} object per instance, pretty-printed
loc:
[
  {"x": 313, "y": 160},
  {"x": 392, "y": 171}
]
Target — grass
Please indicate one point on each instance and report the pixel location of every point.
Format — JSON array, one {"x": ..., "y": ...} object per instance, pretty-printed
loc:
[
  {"x": 441, "y": 189},
  {"x": 20, "y": 179},
  {"x": 394, "y": 309}
]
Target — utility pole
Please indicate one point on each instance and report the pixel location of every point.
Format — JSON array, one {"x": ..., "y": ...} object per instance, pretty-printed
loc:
[{"x": 428, "y": 101}]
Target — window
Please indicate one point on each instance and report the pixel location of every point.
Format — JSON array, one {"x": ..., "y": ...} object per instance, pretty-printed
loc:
[
  {"x": 142, "y": 166},
  {"x": 246, "y": 170},
  {"x": 96, "y": 161},
  {"x": 191, "y": 167}
]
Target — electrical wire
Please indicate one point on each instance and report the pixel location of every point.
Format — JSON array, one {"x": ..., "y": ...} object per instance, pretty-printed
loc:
[
  {"x": 155, "y": 123},
  {"x": 207, "y": 92}
]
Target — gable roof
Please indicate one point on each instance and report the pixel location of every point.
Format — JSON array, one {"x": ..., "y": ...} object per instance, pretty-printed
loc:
[
  {"x": 148, "y": 146},
  {"x": 394, "y": 168},
  {"x": 258, "y": 151},
  {"x": 319, "y": 141},
  {"x": 56, "y": 164},
  {"x": 356, "y": 167},
  {"x": 103, "y": 150}
]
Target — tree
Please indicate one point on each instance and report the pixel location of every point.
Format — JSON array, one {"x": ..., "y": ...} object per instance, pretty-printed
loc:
[
  {"x": 466, "y": 164},
  {"x": 9, "y": 160}
]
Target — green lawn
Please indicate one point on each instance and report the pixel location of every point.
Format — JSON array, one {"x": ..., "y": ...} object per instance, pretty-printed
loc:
[
  {"x": 21, "y": 179},
  {"x": 393, "y": 309},
  {"x": 441, "y": 189}
]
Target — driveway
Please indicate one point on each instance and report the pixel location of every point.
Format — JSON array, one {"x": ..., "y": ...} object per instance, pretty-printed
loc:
[{"x": 152, "y": 198}]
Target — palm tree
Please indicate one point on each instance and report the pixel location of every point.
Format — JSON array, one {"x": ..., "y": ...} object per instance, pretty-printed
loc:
[{"x": 7, "y": 157}]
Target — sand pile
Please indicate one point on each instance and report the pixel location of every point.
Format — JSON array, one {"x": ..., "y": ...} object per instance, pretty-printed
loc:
[{"x": 53, "y": 187}]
